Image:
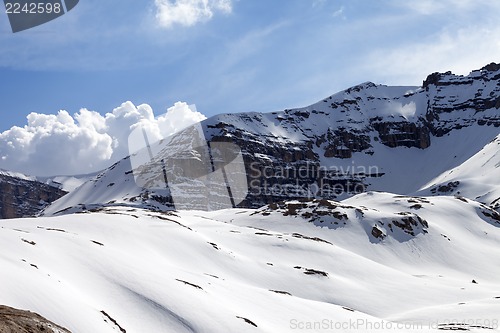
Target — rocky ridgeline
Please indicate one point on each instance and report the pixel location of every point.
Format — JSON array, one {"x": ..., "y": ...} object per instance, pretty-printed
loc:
[
  {"x": 378, "y": 225},
  {"x": 334, "y": 215},
  {"x": 23, "y": 197}
]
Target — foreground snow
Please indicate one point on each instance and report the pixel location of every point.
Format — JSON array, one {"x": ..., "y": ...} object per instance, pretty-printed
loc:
[{"x": 298, "y": 266}]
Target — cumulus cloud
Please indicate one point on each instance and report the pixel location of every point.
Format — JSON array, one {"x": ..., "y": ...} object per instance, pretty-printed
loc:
[
  {"x": 63, "y": 144},
  {"x": 189, "y": 12}
]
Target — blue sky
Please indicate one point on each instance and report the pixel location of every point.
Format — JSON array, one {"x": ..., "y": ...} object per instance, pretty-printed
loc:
[
  {"x": 234, "y": 55},
  {"x": 262, "y": 56}
]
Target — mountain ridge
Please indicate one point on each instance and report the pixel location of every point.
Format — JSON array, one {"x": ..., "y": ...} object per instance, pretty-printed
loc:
[{"x": 362, "y": 126}]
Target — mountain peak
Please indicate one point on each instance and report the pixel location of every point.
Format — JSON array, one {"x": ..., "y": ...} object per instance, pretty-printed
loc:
[
  {"x": 438, "y": 78},
  {"x": 492, "y": 67},
  {"x": 362, "y": 86}
]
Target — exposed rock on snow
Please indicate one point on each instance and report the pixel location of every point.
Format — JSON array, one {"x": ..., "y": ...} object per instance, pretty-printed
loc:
[{"x": 19, "y": 321}]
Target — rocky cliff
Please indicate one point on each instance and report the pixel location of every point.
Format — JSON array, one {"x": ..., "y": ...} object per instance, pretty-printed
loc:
[{"x": 22, "y": 196}]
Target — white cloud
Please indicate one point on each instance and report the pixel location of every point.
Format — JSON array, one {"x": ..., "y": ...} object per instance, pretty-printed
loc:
[
  {"x": 398, "y": 109},
  {"x": 85, "y": 142},
  {"x": 339, "y": 12},
  {"x": 459, "y": 51},
  {"x": 189, "y": 12}
]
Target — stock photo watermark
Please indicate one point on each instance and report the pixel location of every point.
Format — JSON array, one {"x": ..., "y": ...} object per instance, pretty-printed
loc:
[
  {"x": 309, "y": 180},
  {"x": 24, "y": 15},
  {"x": 197, "y": 173},
  {"x": 453, "y": 324},
  {"x": 213, "y": 173}
]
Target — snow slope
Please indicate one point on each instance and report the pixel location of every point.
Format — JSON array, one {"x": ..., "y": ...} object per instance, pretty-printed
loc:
[
  {"x": 477, "y": 178},
  {"x": 277, "y": 269},
  {"x": 16, "y": 175},
  {"x": 65, "y": 183},
  {"x": 114, "y": 186}
]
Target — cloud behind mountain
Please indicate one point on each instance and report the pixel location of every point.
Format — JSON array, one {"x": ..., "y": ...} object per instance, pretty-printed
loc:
[{"x": 86, "y": 141}]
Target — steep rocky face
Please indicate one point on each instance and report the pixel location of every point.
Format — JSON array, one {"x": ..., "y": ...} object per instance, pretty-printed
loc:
[
  {"x": 24, "y": 197},
  {"x": 403, "y": 134},
  {"x": 293, "y": 169},
  {"x": 341, "y": 143},
  {"x": 455, "y": 101}
]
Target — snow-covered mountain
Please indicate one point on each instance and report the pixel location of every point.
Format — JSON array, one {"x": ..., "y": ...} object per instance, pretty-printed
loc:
[
  {"x": 66, "y": 183},
  {"x": 415, "y": 251},
  {"x": 410, "y": 264},
  {"x": 405, "y": 140}
]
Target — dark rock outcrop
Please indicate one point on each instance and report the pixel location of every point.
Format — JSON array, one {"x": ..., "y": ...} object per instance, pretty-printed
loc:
[
  {"x": 403, "y": 134},
  {"x": 20, "y": 321},
  {"x": 22, "y": 197},
  {"x": 431, "y": 79}
]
